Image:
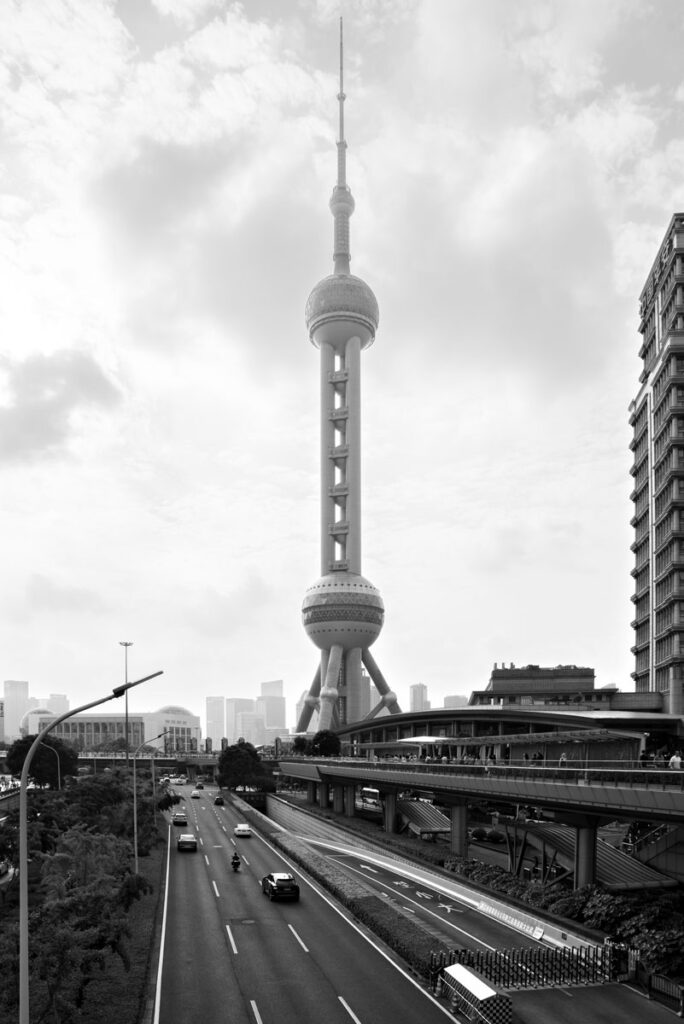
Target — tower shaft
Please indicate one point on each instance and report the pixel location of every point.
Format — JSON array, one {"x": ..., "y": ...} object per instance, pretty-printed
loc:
[{"x": 340, "y": 384}]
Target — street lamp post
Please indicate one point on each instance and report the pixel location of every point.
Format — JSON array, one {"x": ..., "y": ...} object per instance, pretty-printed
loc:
[
  {"x": 135, "y": 800},
  {"x": 56, "y": 753},
  {"x": 126, "y": 644},
  {"x": 118, "y": 691}
]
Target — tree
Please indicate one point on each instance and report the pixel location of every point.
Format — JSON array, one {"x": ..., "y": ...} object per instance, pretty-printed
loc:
[
  {"x": 240, "y": 765},
  {"x": 326, "y": 743},
  {"x": 300, "y": 744},
  {"x": 43, "y": 769}
]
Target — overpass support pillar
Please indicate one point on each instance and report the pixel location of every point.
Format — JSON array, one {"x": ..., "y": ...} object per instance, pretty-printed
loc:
[
  {"x": 459, "y": 829},
  {"x": 311, "y": 793},
  {"x": 338, "y": 799},
  {"x": 390, "y": 812},
  {"x": 323, "y": 794},
  {"x": 350, "y": 801},
  {"x": 585, "y": 854}
]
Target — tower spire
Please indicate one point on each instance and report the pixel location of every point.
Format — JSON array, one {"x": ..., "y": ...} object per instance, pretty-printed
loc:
[{"x": 341, "y": 202}]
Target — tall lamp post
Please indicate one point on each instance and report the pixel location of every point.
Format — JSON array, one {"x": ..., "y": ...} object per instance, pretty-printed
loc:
[
  {"x": 56, "y": 753},
  {"x": 135, "y": 799},
  {"x": 118, "y": 691},
  {"x": 126, "y": 644}
]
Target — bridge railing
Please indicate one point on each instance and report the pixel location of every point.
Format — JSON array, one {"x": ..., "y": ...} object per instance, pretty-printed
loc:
[{"x": 618, "y": 777}]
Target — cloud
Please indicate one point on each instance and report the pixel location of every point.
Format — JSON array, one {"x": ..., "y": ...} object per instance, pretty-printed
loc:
[
  {"x": 43, "y": 397},
  {"x": 45, "y": 595}
]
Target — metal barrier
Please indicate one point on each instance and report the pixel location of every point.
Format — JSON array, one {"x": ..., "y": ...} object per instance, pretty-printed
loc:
[
  {"x": 664, "y": 990},
  {"x": 537, "y": 966}
]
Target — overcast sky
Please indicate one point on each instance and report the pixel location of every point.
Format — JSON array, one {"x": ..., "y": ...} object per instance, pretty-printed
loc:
[{"x": 165, "y": 170}]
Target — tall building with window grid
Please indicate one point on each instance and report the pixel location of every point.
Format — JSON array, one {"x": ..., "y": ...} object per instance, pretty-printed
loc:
[{"x": 657, "y": 420}]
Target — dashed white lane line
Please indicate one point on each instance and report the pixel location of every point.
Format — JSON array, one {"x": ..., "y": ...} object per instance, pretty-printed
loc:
[
  {"x": 206, "y": 860},
  {"x": 231, "y": 939},
  {"x": 218, "y": 894},
  {"x": 255, "y": 1011},
  {"x": 298, "y": 938},
  {"x": 349, "y": 1010}
]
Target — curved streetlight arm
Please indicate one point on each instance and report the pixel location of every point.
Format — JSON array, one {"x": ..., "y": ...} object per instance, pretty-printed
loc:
[{"x": 118, "y": 691}]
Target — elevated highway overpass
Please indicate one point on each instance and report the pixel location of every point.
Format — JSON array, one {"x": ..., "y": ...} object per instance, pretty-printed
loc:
[{"x": 579, "y": 797}]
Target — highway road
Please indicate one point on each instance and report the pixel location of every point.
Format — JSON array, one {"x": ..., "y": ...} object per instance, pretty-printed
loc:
[{"x": 229, "y": 954}]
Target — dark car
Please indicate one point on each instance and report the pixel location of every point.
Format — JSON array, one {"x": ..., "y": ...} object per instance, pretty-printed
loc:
[
  {"x": 280, "y": 885},
  {"x": 219, "y": 801},
  {"x": 187, "y": 841},
  {"x": 199, "y": 785}
]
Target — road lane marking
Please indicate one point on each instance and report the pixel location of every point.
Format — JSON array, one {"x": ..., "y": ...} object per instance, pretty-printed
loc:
[
  {"x": 426, "y": 910},
  {"x": 349, "y": 1010},
  {"x": 255, "y": 1011},
  {"x": 230, "y": 937},
  {"x": 367, "y": 867},
  {"x": 438, "y": 1004},
  {"x": 215, "y": 888},
  {"x": 245, "y": 860},
  {"x": 298, "y": 938},
  {"x": 157, "y": 992}
]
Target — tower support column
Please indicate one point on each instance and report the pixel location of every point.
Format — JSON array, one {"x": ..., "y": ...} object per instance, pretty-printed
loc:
[{"x": 329, "y": 692}]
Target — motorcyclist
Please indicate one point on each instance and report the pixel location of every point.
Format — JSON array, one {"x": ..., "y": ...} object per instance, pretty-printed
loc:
[{"x": 235, "y": 861}]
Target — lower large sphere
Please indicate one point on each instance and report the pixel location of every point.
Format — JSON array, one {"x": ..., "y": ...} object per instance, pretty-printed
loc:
[{"x": 343, "y": 608}]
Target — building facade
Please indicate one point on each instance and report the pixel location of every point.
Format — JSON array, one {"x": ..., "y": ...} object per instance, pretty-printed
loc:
[
  {"x": 418, "y": 697},
  {"x": 16, "y": 705},
  {"x": 657, "y": 421},
  {"x": 215, "y": 708}
]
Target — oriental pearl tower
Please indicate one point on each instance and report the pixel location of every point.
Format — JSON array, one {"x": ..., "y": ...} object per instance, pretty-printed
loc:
[{"x": 342, "y": 612}]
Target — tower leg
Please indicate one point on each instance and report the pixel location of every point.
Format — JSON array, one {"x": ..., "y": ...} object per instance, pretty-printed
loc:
[
  {"x": 329, "y": 689},
  {"x": 311, "y": 703},
  {"x": 389, "y": 698}
]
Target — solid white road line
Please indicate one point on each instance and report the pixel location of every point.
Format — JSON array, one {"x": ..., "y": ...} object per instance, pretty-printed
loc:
[
  {"x": 231, "y": 939},
  {"x": 157, "y": 991},
  {"x": 298, "y": 938},
  {"x": 349, "y": 1010},
  {"x": 215, "y": 888}
]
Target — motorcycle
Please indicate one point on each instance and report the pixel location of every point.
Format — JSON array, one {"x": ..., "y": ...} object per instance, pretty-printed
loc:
[{"x": 235, "y": 862}]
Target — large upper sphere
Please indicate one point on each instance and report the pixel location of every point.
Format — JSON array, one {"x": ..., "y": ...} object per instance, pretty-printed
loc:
[
  {"x": 340, "y": 307},
  {"x": 343, "y": 608}
]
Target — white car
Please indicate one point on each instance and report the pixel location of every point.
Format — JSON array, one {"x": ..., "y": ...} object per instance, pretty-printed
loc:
[
  {"x": 195, "y": 795},
  {"x": 242, "y": 830}
]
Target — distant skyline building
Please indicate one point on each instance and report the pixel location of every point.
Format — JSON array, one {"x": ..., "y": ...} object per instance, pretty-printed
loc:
[
  {"x": 215, "y": 710},
  {"x": 343, "y": 612},
  {"x": 657, "y": 421},
  {"x": 418, "y": 697},
  {"x": 272, "y": 688},
  {"x": 455, "y": 701},
  {"x": 16, "y": 694},
  {"x": 271, "y": 705},
  {"x": 235, "y": 706}
]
